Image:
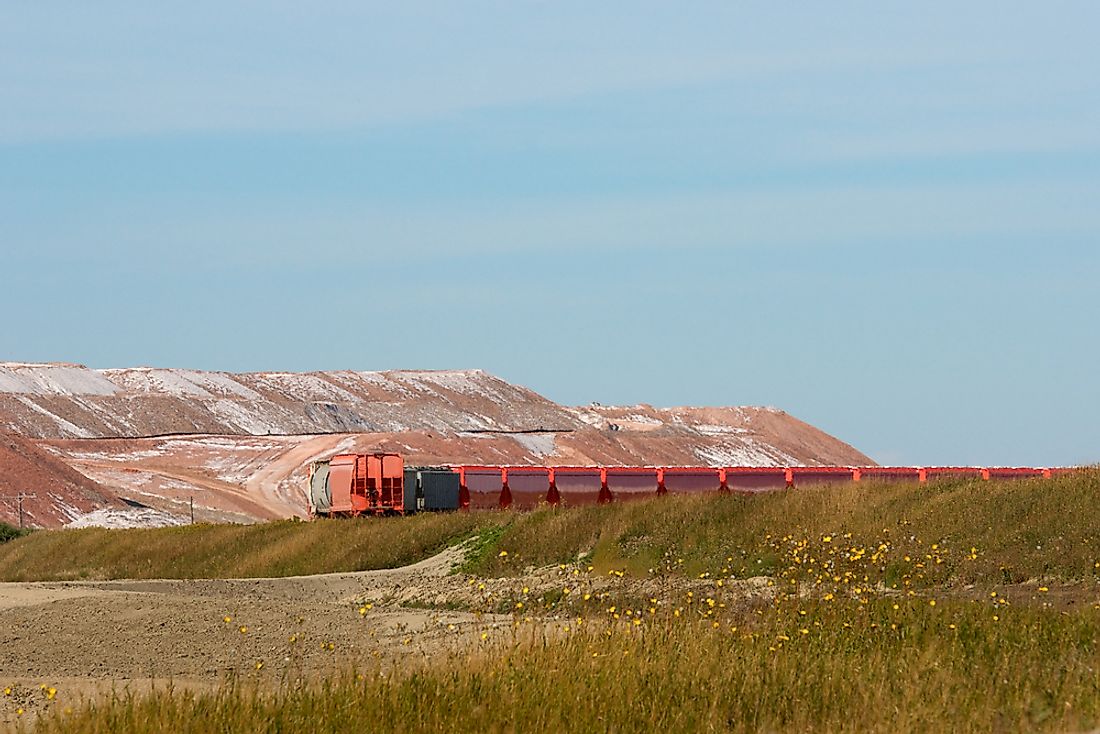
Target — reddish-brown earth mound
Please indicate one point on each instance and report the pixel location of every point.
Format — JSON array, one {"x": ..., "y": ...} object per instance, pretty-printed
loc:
[
  {"x": 238, "y": 446},
  {"x": 60, "y": 493},
  {"x": 72, "y": 401}
]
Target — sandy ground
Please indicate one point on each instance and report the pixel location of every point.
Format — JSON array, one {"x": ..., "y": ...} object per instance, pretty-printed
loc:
[
  {"x": 86, "y": 638},
  {"x": 90, "y": 638}
]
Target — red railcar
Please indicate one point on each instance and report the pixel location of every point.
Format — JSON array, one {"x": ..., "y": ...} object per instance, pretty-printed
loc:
[
  {"x": 359, "y": 484},
  {"x": 580, "y": 485},
  {"x": 930, "y": 473},
  {"x": 628, "y": 483},
  {"x": 482, "y": 488},
  {"x": 692, "y": 480},
  {"x": 529, "y": 486},
  {"x": 802, "y": 476},
  {"x": 1015, "y": 472},
  {"x": 889, "y": 474},
  {"x": 750, "y": 479}
]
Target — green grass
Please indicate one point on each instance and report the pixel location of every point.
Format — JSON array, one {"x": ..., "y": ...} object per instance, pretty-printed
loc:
[
  {"x": 284, "y": 548},
  {"x": 843, "y": 666},
  {"x": 1019, "y": 530},
  {"x": 10, "y": 532},
  {"x": 481, "y": 546}
]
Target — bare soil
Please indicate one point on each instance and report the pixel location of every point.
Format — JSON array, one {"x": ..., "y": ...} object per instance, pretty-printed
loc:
[
  {"x": 87, "y": 638},
  {"x": 55, "y": 490}
]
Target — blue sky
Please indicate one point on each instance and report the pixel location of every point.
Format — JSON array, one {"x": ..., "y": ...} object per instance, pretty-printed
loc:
[{"x": 883, "y": 218}]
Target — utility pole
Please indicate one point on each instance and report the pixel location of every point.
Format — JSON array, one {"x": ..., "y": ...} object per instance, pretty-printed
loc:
[
  {"x": 19, "y": 499},
  {"x": 192, "y": 509}
]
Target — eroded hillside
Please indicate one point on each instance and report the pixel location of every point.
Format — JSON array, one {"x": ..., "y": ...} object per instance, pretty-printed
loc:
[{"x": 237, "y": 446}]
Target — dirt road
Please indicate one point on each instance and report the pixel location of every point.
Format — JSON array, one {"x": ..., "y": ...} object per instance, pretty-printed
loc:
[
  {"x": 81, "y": 638},
  {"x": 266, "y": 482}
]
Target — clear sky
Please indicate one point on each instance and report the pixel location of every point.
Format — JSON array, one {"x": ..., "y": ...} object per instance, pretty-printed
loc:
[{"x": 882, "y": 217}]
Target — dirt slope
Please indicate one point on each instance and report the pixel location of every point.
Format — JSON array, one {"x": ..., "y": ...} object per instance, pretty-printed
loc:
[
  {"x": 60, "y": 492},
  {"x": 246, "y": 478},
  {"x": 238, "y": 446},
  {"x": 72, "y": 401}
]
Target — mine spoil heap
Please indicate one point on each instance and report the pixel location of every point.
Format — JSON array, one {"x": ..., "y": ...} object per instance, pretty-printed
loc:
[{"x": 238, "y": 445}]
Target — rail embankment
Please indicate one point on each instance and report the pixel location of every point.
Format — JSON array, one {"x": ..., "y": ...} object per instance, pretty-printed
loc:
[{"x": 949, "y": 532}]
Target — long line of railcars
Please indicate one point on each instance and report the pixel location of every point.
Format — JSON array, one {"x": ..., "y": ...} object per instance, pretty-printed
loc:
[{"x": 365, "y": 484}]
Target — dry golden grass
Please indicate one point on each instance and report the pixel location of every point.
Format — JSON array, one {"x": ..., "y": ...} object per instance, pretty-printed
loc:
[
  {"x": 845, "y": 666},
  {"x": 284, "y": 548}
]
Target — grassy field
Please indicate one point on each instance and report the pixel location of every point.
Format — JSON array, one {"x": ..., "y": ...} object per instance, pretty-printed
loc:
[
  {"x": 956, "y": 606},
  {"x": 284, "y": 548},
  {"x": 883, "y": 665}
]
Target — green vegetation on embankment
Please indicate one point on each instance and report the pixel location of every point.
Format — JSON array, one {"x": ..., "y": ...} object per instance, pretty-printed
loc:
[
  {"x": 939, "y": 533},
  {"x": 10, "y": 532},
  {"x": 959, "y": 531},
  {"x": 283, "y": 548}
]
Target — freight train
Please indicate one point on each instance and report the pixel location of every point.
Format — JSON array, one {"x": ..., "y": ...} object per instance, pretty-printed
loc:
[{"x": 379, "y": 484}]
